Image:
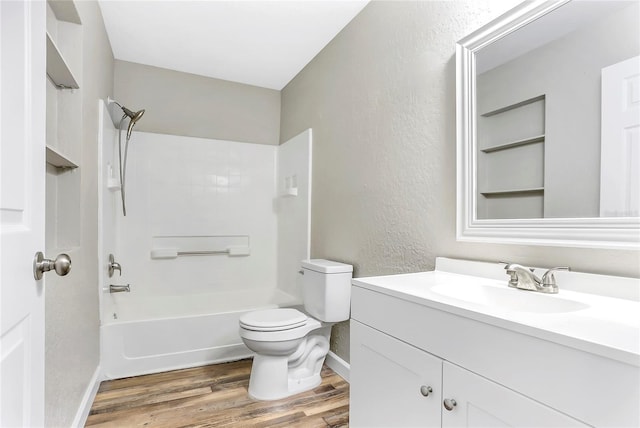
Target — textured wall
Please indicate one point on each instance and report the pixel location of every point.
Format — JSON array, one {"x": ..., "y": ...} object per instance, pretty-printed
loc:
[
  {"x": 380, "y": 99},
  {"x": 186, "y": 104},
  {"x": 71, "y": 311}
]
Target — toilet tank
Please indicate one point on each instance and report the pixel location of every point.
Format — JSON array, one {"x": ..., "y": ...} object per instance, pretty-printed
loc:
[{"x": 326, "y": 289}]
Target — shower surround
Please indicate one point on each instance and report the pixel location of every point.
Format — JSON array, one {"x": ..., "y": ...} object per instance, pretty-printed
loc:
[{"x": 194, "y": 195}]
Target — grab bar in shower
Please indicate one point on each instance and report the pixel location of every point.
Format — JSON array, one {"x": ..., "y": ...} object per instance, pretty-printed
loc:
[
  {"x": 201, "y": 253},
  {"x": 172, "y": 253}
]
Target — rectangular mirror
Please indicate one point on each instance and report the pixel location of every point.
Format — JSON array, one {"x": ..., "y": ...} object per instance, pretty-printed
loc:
[{"x": 548, "y": 110}]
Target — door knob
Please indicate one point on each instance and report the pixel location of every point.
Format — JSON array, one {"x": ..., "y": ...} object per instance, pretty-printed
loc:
[{"x": 62, "y": 265}]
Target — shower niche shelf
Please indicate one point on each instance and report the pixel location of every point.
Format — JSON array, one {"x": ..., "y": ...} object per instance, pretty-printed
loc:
[
  {"x": 291, "y": 191},
  {"x": 113, "y": 184},
  {"x": 58, "y": 159}
]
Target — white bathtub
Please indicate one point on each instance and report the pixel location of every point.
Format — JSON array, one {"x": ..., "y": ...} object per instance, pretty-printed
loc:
[{"x": 145, "y": 334}]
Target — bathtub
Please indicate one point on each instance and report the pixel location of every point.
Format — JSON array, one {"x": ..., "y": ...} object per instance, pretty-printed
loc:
[{"x": 150, "y": 334}]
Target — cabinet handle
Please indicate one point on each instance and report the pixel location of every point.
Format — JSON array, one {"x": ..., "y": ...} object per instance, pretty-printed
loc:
[
  {"x": 449, "y": 403},
  {"x": 425, "y": 390}
]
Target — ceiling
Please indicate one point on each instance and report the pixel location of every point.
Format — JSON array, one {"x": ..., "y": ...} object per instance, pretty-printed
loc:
[{"x": 262, "y": 43}]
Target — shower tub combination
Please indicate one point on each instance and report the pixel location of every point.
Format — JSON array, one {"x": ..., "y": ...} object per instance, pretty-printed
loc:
[{"x": 154, "y": 334}]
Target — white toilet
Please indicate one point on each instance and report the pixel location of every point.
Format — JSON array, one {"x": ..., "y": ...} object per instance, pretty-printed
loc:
[{"x": 290, "y": 346}]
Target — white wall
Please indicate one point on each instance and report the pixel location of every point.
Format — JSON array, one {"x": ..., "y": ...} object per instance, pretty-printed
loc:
[
  {"x": 293, "y": 205},
  {"x": 381, "y": 101},
  {"x": 193, "y": 187}
]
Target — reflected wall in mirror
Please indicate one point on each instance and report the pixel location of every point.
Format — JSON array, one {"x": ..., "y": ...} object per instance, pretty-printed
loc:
[{"x": 549, "y": 124}]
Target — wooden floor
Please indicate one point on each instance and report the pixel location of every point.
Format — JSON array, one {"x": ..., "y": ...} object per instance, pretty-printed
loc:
[{"x": 215, "y": 396}]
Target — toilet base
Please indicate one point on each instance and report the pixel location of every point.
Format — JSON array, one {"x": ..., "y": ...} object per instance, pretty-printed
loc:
[
  {"x": 270, "y": 379},
  {"x": 297, "y": 386},
  {"x": 279, "y": 376}
]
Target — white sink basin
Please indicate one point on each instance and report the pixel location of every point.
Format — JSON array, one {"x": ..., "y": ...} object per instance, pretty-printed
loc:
[
  {"x": 604, "y": 320},
  {"x": 506, "y": 298}
]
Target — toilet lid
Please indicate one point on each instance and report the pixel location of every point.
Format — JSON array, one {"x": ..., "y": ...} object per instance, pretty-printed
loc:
[{"x": 273, "y": 319}]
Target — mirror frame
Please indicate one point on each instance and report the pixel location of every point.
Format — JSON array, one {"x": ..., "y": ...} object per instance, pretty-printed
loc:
[{"x": 610, "y": 233}]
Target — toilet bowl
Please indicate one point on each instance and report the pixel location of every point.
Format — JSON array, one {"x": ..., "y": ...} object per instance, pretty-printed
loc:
[
  {"x": 288, "y": 358},
  {"x": 290, "y": 346}
]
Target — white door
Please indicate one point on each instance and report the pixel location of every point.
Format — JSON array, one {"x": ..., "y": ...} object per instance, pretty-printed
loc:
[
  {"x": 620, "y": 145},
  {"x": 470, "y": 400},
  {"x": 393, "y": 384},
  {"x": 22, "y": 184}
]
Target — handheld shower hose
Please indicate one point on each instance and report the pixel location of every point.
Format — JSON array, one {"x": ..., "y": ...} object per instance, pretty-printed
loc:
[{"x": 134, "y": 117}]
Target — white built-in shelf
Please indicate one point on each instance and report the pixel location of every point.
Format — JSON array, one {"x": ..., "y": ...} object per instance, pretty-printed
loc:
[
  {"x": 113, "y": 184},
  {"x": 291, "y": 191},
  {"x": 513, "y": 106},
  {"x": 512, "y": 144},
  {"x": 57, "y": 68},
  {"x": 65, "y": 10},
  {"x": 514, "y": 192},
  {"x": 58, "y": 159}
]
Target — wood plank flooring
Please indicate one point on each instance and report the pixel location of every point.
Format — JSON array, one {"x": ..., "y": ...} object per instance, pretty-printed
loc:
[{"x": 215, "y": 396}]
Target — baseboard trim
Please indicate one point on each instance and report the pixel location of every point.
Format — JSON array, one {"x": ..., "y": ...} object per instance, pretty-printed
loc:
[
  {"x": 87, "y": 400},
  {"x": 338, "y": 365}
]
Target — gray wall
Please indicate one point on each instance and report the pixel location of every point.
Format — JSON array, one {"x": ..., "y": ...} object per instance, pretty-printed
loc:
[
  {"x": 186, "y": 104},
  {"x": 71, "y": 304},
  {"x": 381, "y": 101}
]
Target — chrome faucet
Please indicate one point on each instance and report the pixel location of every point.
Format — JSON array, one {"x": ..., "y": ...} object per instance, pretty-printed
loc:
[
  {"x": 113, "y": 266},
  {"x": 523, "y": 278}
]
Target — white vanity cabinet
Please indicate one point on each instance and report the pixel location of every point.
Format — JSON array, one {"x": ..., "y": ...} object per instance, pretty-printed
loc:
[
  {"x": 567, "y": 360},
  {"x": 394, "y": 384}
]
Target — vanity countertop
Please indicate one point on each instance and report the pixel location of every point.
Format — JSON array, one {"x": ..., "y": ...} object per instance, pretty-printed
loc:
[{"x": 596, "y": 323}]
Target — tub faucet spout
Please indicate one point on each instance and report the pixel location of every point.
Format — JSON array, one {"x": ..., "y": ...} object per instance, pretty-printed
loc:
[{"x": 119, "y": 288}]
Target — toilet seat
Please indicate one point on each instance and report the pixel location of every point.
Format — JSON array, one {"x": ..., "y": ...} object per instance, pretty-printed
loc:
[
  {"x": 273, "y": 320},
  {"x": 274, "y": 326}
]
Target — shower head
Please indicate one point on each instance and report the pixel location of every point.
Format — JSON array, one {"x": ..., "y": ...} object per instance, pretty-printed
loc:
[{"x": 133, "y": 116}]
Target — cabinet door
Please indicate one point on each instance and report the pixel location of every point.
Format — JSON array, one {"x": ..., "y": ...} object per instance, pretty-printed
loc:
[
  {"x": 390, "y": 382},
  {"x": 482, "y": 403}
]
